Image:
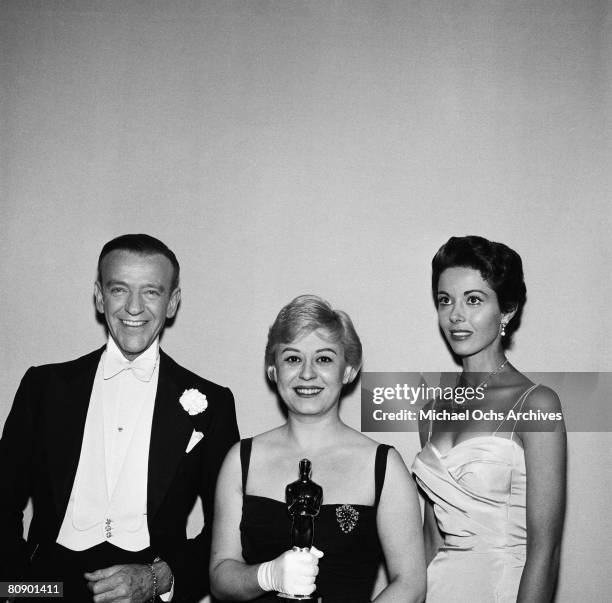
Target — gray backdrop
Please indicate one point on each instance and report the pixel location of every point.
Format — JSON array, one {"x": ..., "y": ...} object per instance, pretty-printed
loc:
[{"x": 327, "y": 147}]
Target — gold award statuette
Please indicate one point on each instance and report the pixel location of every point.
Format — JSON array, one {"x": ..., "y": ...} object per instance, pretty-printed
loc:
[{"x": 303, "y": 499}]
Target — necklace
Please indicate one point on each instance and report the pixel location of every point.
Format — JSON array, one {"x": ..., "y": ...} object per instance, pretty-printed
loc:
[{"x": 484, "y": 383}]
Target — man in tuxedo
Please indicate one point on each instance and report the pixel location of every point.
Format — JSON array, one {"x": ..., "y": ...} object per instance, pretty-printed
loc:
[{"x": 114, "y": 448}]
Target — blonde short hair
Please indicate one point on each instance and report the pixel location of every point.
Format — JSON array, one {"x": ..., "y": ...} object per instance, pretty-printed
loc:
[{"x": 307, "y": 313}]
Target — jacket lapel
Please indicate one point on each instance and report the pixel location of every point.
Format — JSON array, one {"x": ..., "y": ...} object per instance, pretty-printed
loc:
[
  {"x": 170, "y": 433},
  {"x": 65, "y": 426}
]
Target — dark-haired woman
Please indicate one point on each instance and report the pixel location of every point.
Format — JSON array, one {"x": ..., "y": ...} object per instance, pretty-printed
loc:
[
  {"x": 370, "y": 511},
  {"x": 494, "y": 483}
]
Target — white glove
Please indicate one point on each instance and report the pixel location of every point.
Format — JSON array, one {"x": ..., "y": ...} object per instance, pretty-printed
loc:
[{"x": 293, "y": 572}]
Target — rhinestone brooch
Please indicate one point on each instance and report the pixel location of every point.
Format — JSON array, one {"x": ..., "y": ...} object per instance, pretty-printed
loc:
[{"x": 347, "y": 517}]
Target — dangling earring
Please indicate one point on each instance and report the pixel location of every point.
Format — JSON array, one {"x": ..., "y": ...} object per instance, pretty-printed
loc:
[{"x": 502, "y": 328}]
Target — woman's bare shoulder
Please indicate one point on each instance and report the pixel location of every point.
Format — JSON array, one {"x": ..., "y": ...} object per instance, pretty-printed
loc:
[
  {"x": 271, "y": 436},
  {"x": 355, "y": 439},
  {"x": 543, "y": 398}
]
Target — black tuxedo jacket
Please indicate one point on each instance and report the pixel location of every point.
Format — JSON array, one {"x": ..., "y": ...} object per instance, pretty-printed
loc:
[{"x": 39, "y": 454}]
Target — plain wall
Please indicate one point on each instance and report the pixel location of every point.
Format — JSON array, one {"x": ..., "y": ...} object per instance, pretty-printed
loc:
[{"x": 329, "y": 147}]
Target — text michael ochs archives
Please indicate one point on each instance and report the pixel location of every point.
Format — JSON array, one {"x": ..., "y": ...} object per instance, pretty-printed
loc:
[{"x": 402, "y": 401}]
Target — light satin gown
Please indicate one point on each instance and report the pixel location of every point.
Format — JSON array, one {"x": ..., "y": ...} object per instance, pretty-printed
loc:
[{"x": 478, "y": 491}]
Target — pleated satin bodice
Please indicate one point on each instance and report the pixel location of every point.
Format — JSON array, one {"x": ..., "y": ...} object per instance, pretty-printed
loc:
[{"x": 478, "y": 491}]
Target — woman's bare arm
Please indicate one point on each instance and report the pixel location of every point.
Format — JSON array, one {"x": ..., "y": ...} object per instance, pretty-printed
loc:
[
  {"x": 545, "y": 458},
  {"x": 399, "y": 529}
]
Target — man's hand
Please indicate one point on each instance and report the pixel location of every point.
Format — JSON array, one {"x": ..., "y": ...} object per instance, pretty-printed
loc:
[{"x": 121, "y": 584}]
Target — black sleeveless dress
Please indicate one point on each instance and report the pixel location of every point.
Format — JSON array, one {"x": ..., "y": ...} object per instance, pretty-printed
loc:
[{"x": 346, "y": 533}]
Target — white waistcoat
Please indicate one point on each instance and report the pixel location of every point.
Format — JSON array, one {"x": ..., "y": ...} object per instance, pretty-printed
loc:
[{"x": 100, "y": 510}]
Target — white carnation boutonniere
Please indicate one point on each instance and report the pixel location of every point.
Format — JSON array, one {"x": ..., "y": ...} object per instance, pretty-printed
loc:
[{"x": 193, "y": 401}]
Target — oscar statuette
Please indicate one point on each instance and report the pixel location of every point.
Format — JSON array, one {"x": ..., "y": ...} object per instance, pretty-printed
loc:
[{"x": 303, "y": 499}]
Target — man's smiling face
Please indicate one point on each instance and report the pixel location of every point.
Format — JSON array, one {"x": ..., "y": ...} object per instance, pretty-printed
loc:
[{"x": 135, "y": 297}]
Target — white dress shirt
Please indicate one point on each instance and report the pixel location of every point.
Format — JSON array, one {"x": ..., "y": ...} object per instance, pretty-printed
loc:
[{"x": 109, "y": 495}]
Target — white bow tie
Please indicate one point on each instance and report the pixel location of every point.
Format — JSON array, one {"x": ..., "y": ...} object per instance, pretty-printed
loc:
[{"x": 142, "y": 367}]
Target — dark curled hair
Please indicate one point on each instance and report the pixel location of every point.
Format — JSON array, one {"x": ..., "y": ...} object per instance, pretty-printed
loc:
[
  {"x": 142, "y": 244},
  {"x": 499, "y": 265},
  {"x": 307, "y": 313}
]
